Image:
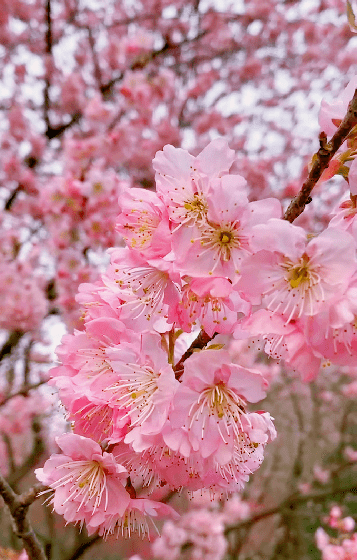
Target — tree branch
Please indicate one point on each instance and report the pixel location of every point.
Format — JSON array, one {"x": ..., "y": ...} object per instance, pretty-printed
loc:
[
  {"x": 18, "y": 506},
  {"x": 290, "y": 503},
  {"x": 12, "y": 341},
  {"x": 97, "y": 72},
  {"x": 55, "y": 131},
  {"x": 24, "y": 391},
  {"x": 46, "y": 97},
  {"x": 321, "y": 160},
  {"x": 32, "y": 459},
  {"x": 198, "y": 344},
  {"x": 83, "y": 547}
]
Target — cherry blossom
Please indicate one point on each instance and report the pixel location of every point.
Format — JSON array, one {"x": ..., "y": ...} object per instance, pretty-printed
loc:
[
  {"x": 296, "y": 278},
  {"x": 210, "y": 406},
  {"x": 146, "y": 156},
  {"x": 89, "y": 484}
]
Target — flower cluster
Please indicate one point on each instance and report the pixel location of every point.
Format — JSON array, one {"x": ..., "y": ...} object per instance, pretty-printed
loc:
[
  {"x": 200, "y": 260},
  {"x": 344, "y": 545},
  {"x": 143, "y": 412},
  {"x": 23, "y": 304},
  {"x": 199, "y": 534}
]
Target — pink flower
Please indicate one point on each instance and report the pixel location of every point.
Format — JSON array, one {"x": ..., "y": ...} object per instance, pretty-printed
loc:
[
  {"x": 86, "y": 355},
  {"x": 96, "y": 420},
  {"x": 235, "y": 509},
  {"x": 211, "y": 302},
  {"x": 332, "y": 332},
  {"x": 217, "y": 244},
  {"x": 23, "y": 303},
  {"x": 350, "y": 454},
  {"x": 322, "y": 475},
  {"x": 209, "y": 406},
  {"x": 145, "y": 291},
  {"x": 88, "y": 483},
  {"x": 347, "y": 524},
  {"x": 183, "y": 181},
  {"x": 169, "y": 544},
  {"x": 296, "y": 278},
  {"x": 141, "y": 387},
  {"x": 136, "y": 517},
  {"x": 345, "y": 217},
  {"x": 321, "y": 538},
  {"x": 144, "y": 223},
  {"x": 284, "y": 340},
  {"x": 157, "y": 464},
  {"x": 205, "y": 532}
]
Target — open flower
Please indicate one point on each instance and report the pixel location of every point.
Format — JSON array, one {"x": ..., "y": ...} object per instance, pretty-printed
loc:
[
  {"x": 183, "y": 181},
  {"x": 212, "y": 302},
  {"x": 144, "y": 290},
  {"x": 88, "y": 483},
  {"x": 138, "y": 517},
  {"x": 294, "y": 277},
  {"x": 209, "y": 407}
]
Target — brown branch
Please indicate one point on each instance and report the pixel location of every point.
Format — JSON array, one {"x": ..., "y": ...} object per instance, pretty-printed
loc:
[
  {"x": 321, "y": 160},
  {"x": 34, "y": 457},
  {"x": 9, "y": 452},
  {"x": 290, "y": 503},
  {"x": 141, "y": 62},
  {"x": 55, "y": 131},
  {"x": 18, "y": 506},
  {"x": 46, "y": 96},
  {"x": 52, "y": 131},
  {"x": 83, "y": 547},
  {"x": 12, "y": 341},
  {"x": 198, "y": 344},
  {"x": 22, "y": 392},
  {"x": 97, "y": 72},
  {"x": 27, "y": 363},
  {"x": 12, "y": 197}
]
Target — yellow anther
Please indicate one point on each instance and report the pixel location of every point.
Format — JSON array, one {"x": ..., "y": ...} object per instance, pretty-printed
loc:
[
  {"x": 298, "y": 275},
  {"x": 226, "y": 237}
]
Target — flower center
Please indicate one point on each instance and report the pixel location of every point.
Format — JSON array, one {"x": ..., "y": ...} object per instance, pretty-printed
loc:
[
  {"x": 196, "y": 207},
  {"x": 299, "y": 275},
  {"x": 225, "y": 237},
  {"x": 86, "y": 480},
  {"x": 135, "y": 392},
  {"x": 221, "y": 239},
  {"x": 140, "y": 227},
  {"x": 223, "y": 404},
  {"x": 298, "y": 288}
]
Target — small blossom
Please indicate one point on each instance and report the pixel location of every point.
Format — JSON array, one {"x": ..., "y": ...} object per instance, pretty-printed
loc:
[{"x": 87, "y": 482}]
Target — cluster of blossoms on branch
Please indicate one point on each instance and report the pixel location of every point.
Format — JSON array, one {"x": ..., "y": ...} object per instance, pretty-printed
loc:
[
  {"x": 200, "y": 260},
  {"x": 158, "y": 420},
  {"x": 343, "y": 544},
  {"x": 90, "y": 94},
  {"x": 201, "y": 531}
]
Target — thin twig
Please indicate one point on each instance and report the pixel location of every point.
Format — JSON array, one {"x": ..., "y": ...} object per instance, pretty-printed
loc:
[
  {"x": 97, "y": 72},
  {"x": 34, "y": 457},
  {"x": 48, "y": 36},
  {"x": 83, "y": 547},
  {"x": 321, "y": 160},
  {"x": 290, "y": 503},
  {"x": 22, "y": 392},
  {"x": 198, "y": 344},
  {"x": 12, "y": 341}
]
